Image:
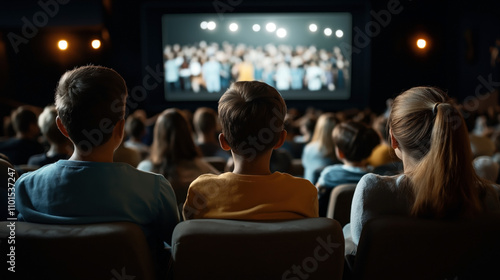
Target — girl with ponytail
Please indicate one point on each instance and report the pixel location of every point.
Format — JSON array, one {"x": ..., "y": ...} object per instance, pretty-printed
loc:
[{"x": 429, "y": 135}]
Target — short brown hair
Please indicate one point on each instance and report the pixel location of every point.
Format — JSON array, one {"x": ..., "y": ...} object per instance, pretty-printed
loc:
[
  {"x": 355, "y": 140},
  {"x": 205, "y": 120},
  {"x": 90, "y": 100},
  {"x": 252, "y": 115}
]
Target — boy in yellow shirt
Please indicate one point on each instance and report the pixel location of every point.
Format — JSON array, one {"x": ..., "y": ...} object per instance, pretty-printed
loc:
[{"x": 252, "y": 116}]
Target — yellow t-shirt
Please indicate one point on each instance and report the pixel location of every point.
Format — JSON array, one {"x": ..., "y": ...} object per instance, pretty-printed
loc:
[
  {"x": 278, "y": 196},
  {"x": 381, "y": 155}
]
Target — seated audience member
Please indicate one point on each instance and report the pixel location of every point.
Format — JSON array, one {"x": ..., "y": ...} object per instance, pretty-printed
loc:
[
  {"x": 320, "y": 151},
  {"x": 205, "y": 122},
  {"x": 306, "y": 124},
  {"x": 174, "y": 154},
  {"x": 290, "y": 146},
  {"x": 383, "y": 153},
  {"x": 354, "y": 143},
  {"x": 135, "y": 128},
  {"x": 486, "y": 168},
  {"x": 439, "y": 182},
  {"x": 8, "y": 177},
  {"x": 383, "y": 158},
  {"x": 21, "y": 147},
  {"x": 60, "y": 146},
  {"x": 481, "y": 145},
  {"x": 496, "y": 140},
  {"x": 127, "y": 155},
  {"x": 90, "y": 187},
  {"x": 251, "y": 191}
]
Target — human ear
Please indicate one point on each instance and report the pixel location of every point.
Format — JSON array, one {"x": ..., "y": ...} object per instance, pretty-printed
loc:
[
  {"x": 281, "y": 139},
  {"x": 119, "y": 129},
  {"x": 61, "y": 127},
  {"x": 394, "y": 142},
  {"x": 223, "y": 142},
  {"x": 340, "y": 155}
]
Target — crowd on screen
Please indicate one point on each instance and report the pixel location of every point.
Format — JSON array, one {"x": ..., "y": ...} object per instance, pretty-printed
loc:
[{"x": 212, "y": 66}]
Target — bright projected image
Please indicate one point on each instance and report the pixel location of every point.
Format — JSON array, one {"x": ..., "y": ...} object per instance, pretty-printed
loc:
[{"x": 300, "y": 54}]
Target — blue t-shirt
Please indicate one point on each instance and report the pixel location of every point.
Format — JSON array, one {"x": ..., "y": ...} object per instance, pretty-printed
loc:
[
  {"x": 313, "y": 160},
  {"x": 335, "y": 175},
  {"x": 80, "y": 192}
]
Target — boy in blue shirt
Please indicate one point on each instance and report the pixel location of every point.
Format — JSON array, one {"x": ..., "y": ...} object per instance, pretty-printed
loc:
[
  {"x": 354, "y": 143},
  {"x": 90, "y": 187}
]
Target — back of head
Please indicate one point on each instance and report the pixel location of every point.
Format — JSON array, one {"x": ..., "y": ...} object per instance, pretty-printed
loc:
[
  {"x": 172, "y": 141},
  {"x": 135, "y": 127},
  {"x": 355, "y": 140},
  {"x": 323, "y": 133},
  {"x": 432, "y": 132},
  {"x": 23, "y": 120},
  {"x": 205, "y": 120},
  {"x": 90, "y": 100},
  {"x": 252, "y": 116},
  {"x": 48, "y": 126}
]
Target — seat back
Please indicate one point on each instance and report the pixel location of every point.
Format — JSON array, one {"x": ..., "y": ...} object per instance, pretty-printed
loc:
[
  {"x": 339, "y": 206},
  {"x": 94, "y": 251},
  {"x": 409, "y": 248},
  {"x": 310, "y": 248}
]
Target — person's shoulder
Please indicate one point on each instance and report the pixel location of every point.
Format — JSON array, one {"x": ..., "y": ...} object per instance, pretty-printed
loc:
[
  {"x": 145, "y": 165},
  {"x": 372, "y": 181},
  {"x": 333, "y": 168},
  {"x": 292, "y": 179},
  {"x": 46, "y": 170}
]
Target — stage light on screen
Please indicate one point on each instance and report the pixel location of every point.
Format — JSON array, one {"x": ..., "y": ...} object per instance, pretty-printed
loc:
[
  {"x": 328, "y": 31},
  {"x": 204, "y": 25},
  {"x": 211, "y": 25},
  {"x": 96, "y": 44},
  {"x": 233, "y": 27},
  {"x": 313, "y": 27},
  {"x": 256, "y": 27},
  {"x": 339, "y": 33},
  {"x": 281, "y": 32},
  {"x": 62, "y": 45},
  {"x": 421, "y": 43},
  {"x": 271, "y": 27}
]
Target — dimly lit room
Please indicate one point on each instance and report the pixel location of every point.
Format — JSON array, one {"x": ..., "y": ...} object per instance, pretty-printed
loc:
[{"x": 238, "y": 139}]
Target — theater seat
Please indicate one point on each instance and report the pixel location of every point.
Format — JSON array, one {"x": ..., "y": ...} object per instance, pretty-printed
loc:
[
  {"x": 409, "y": 248},
  {"x": 339, "y": 206},
  {"x": 96, "y": 251},
  {"x": 310, "y": 249}
]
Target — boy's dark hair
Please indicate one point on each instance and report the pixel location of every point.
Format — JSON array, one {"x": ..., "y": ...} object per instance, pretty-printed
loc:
[
  {"x": 22, "y": 119},
  {"x": 355, "y": 140},
  {"x": 90, "y": 100},
  {"x": 204, "y": 120},
  {"x": 135, "y": 127},
  {"x": 252, "y": 116}
]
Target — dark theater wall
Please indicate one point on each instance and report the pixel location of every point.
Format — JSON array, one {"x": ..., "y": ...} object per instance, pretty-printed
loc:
[{"x": 460, "y": 34}]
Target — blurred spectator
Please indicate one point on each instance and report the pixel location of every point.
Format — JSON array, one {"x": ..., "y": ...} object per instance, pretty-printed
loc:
[
  {"x": 174, "y": 154},
  {"x": 135, "y": 128},
  {"x": 21, "y": 147},
  {"x": 206, "y": 127},
  {"x": 60, "y": 146},
  {"x": 320, "y": 152}
]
